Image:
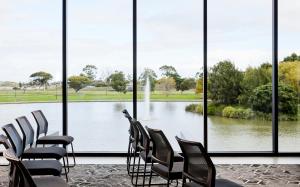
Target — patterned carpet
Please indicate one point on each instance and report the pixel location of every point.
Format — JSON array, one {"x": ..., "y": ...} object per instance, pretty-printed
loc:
[{"x": 245, "y": 175}]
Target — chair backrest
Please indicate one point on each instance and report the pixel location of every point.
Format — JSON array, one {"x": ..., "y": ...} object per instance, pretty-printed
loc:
[
  {"x": 27, "y": 131},
  {"x": 144, "y": 137},
  {"x": 162, "y": 150},
  {"x": 135, "y": 134},
  {"x": 4, "y": 141},
  {"x": 197, "y": 162},
  {"x": 41, "y": 121},
  {"x": 130, "y": 119},
  {"x": 21, "y": 174},
  {"x": 127, "y": 115},
  {"x": 14, "y": 138}
]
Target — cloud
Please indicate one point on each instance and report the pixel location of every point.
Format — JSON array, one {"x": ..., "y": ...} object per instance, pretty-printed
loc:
[{"x": 169, "y": 32}]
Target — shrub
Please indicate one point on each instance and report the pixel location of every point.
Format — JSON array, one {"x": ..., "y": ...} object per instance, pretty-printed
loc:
[
  {"x": 215, "y": 109},
  {"x": 191, "y": 108},
  {"x": 239, "y": 113},
  {"x": 199, "y": 109},
  {"x": 261, "y": 100}
]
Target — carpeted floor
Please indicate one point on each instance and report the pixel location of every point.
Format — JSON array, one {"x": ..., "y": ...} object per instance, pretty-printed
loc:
[{"x": 246, "y": 175}]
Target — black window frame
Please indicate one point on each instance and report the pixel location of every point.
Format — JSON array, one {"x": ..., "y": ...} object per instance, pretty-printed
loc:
[{"x": 275, "y": 137}]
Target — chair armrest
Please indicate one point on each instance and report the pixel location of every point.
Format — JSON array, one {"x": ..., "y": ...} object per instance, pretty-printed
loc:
[{"x": 158, "y": 161}]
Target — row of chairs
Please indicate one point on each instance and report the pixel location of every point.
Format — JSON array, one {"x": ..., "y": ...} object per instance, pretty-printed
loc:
[
  {"x": 153, "y": 147},
  {"x": 27, "y": 159}
]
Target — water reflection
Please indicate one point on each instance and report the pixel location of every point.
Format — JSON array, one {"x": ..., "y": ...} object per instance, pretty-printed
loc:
[
  {"x": 110, "y": 128},
  {"x": 118, "y": 107}
]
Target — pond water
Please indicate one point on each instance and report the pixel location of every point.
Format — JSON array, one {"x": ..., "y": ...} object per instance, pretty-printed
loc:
[{"x": 101, "y": 127}]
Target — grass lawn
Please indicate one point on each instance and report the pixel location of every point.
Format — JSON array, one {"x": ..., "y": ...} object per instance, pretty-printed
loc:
[{"x": 10, "y": 96}]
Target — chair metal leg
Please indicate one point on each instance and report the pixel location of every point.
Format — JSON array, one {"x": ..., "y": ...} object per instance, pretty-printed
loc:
[
  {"x": 168, "y": 184},
  {"x": 66, "y": 173},
  {"x": 183, "y": 181},
  {"x": 73, "y": 154},
  {"x": 129, "y": 161},
  {"x": 145, "y": 166},
  {"x": 138, "y": 170},
  {"x": 150, "y": 174},
  {"x": 132, "y": 174},
  {"x": 128, "y": 151}
]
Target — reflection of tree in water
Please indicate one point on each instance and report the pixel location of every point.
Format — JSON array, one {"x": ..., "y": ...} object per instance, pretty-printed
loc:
[
  {"x": 151, "y": 107},
  {"x": 119, "y": 107},
  {"x": 170, "y": 106}
]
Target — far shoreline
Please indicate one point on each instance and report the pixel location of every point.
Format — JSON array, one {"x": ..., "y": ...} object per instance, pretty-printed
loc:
[{"x": 83, "y": 101}]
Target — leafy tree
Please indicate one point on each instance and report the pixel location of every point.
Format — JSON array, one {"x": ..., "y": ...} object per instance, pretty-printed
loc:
[
  {"x": 15, "y": 89},
  {"x": 262, "y": 99},
  {"x": 170, "y": 71},
  {"x": 90, "y": 71},
  {"x": 166, "y": 84},
  {"x": 199, "y": 86},
  {"x": 118, "y": 82},
  {"x": 41, "y": 78},
  {"x": 78, "y": 82},
  {"x": 289, "y": 74},
  {"x": 186, "y": 84},
  {"x": 293, "y": 57},
  {"x": 152, "y": 77},
  {"x": 254, "y": 77},
  {"x": 224, "y": 83}
]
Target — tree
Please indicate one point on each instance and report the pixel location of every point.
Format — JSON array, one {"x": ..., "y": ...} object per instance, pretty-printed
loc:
[
  {"x": 289, "y": 74},
  {"x": 118, "y": 82},
  {"x": 170, "y": 71},
  {"x": 90, "y": 71},
  {"x": 224, "y": 83},
  {"x": 78, "y": 82},
  {"x": 261, "y": 100},
  {"x": 254, "y": 77},
  {"x": 15, "y": 89},
  {"x": 293, "y": 57},
  {"x": 152, "y": 77},
  {"x": 166, "y": 84},
  {"x": 41, "y": 78},
  {"x": 199, "y": 86},
  {"x": 186, "y": 84}
]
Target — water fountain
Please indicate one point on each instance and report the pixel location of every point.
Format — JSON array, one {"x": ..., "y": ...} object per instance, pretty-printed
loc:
[{"x": 147, "y": 99}]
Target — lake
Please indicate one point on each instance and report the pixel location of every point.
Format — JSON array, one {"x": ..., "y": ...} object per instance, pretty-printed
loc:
[{"x": 101, "y": 126}]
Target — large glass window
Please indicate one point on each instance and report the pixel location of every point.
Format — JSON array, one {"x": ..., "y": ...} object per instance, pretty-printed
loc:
[
  {"x": 239, "y": 78},
  {"x": 289, "y": 76},
  {"x": 99, "y": 73},
  {"x": 169, "y": 69},
  {"x": 30, "y": 58}
]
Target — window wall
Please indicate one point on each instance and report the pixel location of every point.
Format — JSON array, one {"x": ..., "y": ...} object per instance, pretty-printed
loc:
[
  {"x": 99, "y": 74},
  {"x": 31, "y": 60},
  {"x": 169, "y": 60},
  {"x": 289, "y": 76},
  {"x": 169, "y": 78},
  {"x": 239, "y": 72}
]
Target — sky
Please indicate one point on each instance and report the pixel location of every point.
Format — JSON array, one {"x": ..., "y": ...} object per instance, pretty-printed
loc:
[{"x": 169, "y": 33}]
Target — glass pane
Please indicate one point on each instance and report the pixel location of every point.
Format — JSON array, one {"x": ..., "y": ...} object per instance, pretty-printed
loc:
[
  {"x": 289, "y": 76},
  {"x": 99, "y": 73},
  {"x": 169, "y": 65},
  {"x": 30, "y": 57},
  {"x": 239, "y": 81}
]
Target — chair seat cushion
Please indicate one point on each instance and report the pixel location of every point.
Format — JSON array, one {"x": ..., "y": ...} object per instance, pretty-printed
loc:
[
  {"x": 218, "y": 183},
  {"x": 50, "y": 181},
  {"x": 175, "y": 173},
  {"x": 43, "y": 167},
  {"x": 44, "y": 152},
  {"x": 65, "y": 140},
  {"x": 177, "y": 157}
]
